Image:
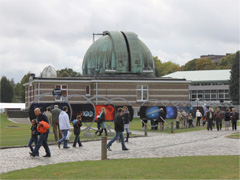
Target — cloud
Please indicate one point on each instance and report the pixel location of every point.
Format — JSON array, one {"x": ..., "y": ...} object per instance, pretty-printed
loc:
[{"x": 38, "y": 33}]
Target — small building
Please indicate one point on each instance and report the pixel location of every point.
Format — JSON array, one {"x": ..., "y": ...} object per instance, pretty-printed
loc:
[
  {"x": 215, "y": 58},
  {"x": 206, "y": 85},
  {"x": 116, "y": 66}
]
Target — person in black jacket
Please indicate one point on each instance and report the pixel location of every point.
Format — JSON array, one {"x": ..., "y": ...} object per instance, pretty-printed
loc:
[
  {"x": 77, "y": 129},
  {"x": 162, "y": 117},
  {"x": 119, "y": 128},
  {"x": 227, "y": 119},
  {"x": 209, "y": 119},
  {"x": 34, "y": 135},
  {"x": 234, "y": 117}
]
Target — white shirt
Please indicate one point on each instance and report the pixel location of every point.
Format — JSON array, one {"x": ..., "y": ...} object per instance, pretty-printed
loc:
[
  {"x": 198, "y": 114},
  {"x": 64, "y": 123}
]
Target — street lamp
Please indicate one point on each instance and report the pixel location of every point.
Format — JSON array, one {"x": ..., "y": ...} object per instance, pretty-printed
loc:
[{"x": 197, "y": 101}]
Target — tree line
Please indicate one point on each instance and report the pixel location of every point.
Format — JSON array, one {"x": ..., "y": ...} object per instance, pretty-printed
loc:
[
  {"x": 11, "y": 92},
  {"x": 164, "y": 68}
]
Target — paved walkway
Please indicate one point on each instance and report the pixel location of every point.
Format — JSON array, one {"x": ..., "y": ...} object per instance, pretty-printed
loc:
[{"x": 197, "y": 143}]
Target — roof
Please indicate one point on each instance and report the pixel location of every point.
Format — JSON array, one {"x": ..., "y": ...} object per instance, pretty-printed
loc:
[
  {"x": 202, "y": 75},
  {"x": 118, "y": 52},
  {"x": 113, "y": 78}
]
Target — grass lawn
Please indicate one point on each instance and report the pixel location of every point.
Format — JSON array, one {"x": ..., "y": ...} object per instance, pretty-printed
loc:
[
  {"x": 199, "y": 167},
  {"x": 13, "y": 134},
  {"x": 137, "y": 126},
  {"x": 234, "y": 135}
]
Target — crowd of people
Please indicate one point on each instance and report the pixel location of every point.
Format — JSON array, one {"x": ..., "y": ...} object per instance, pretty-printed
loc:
[
  {"x": 60, "y": 121},
  {"x": 211, "y": 118}
]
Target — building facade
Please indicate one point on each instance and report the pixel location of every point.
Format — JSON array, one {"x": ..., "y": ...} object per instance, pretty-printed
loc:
[
  {"x": 206, "y": 85},
  {"x": 118, "y": 69}
]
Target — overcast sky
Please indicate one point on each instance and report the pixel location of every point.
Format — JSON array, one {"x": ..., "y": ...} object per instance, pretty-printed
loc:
[{"x": 38, "y": 33}]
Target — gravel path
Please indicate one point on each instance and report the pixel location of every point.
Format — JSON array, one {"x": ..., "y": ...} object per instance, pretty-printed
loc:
[{"x": 197, "y": 143}]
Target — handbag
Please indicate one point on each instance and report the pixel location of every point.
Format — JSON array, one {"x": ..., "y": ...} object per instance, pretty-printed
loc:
[{"x": 68, "y": 135}]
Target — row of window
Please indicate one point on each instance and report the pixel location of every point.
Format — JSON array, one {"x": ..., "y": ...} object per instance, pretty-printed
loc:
[
  {"x": 209, "y": 94},
  {"x": 210, "y": 84},
  {"x": 142, "y": 92}
]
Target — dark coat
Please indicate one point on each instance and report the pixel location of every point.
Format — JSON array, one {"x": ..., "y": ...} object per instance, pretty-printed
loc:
[
  {"x": 162, "y": 115},
  {"x": 208, "y": 116},
  {"x": 227, "y": 116},
  {"x": 77, "y": 128},
  {"x": 34, "y": 132},
  {"x": 119, "y": 123},
  {"x": 234, "y": 119},
  {"x": 126, "y": 117}
]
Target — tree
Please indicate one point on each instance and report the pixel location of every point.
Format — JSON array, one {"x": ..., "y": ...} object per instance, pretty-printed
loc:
[
  {"x": 190, "y": 65},
  {"x": 68, "y": 72},
  {"x": 234, "y": 80},
  {"x": 205, "y": 64},
  {"x": 162, "y": 69},
  {"x": 6, "y": 90},
  {"x": 226, "y": 62},
  {"x": 157, "y": 63}
]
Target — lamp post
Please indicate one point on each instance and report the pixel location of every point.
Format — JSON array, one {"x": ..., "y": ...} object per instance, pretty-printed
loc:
[{"x": 197, "y": 101}]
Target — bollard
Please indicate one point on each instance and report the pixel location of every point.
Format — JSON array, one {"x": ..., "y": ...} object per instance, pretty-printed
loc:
[
  {"x": 171, "y": 127},
  {"x": 145, "y": 129},
  {"x": 104, "y": 148}
]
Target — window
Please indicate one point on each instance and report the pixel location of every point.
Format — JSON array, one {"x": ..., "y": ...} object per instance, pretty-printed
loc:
[
  {"x": 88, "y": 90},
  {"x": 64, "y": 89},
  {"x": 142, "y": 93},
  {"x": 207, "y": 96}
]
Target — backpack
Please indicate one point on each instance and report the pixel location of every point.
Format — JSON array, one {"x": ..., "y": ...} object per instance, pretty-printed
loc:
[{"x": 43, "y": 128}]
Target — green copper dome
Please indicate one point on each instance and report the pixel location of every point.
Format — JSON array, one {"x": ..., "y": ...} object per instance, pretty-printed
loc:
[{"x": 118, "y": 53}]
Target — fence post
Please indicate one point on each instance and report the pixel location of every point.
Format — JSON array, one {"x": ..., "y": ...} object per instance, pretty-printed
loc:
[
  {"x": 104, "y": 148},
  {"x": 145, "y": 129},
  {"x": 171, "y": 127}
]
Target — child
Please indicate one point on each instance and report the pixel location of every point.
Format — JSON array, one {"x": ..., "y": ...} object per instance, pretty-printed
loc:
[
  {"x": 34, "y": 135},
  {"x": 77, "y": 124}
]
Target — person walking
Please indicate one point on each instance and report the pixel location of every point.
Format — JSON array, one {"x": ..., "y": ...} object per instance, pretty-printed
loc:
[
  {"x": 199, "y": 117},
  {"x": 234, "y": 117},
  {"x": 178, "y": 118},
  {"x": 34, "y": 135},
  {"x": 119, "y": 128},
  {"x": 49, "y": 116},
  {"x": 77, "y": 129},
  {"x": 55, "y": 122},
  {"x": 218, "y": 118},
  {"x": 64, "y": 125},
  {"x": 185, "y": 117},
  {"x": 43, "y": 135},
  {"x": 103, "y": 122},
  {"x": 162, "y": 117},
  {"x": 126, "y": 117},
  {"x": 227, "y": 119},
  {"x": 209, "y": 119}
]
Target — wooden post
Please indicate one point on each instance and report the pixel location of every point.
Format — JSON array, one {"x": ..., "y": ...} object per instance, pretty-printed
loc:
[
  {"x": 104, "y": 148},
  {"x": 145, "y": 129},
  {"x": 171, "y": 127}
]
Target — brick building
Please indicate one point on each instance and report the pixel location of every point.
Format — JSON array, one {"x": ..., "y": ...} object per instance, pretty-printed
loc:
[{"x": 117, "y": 65}]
